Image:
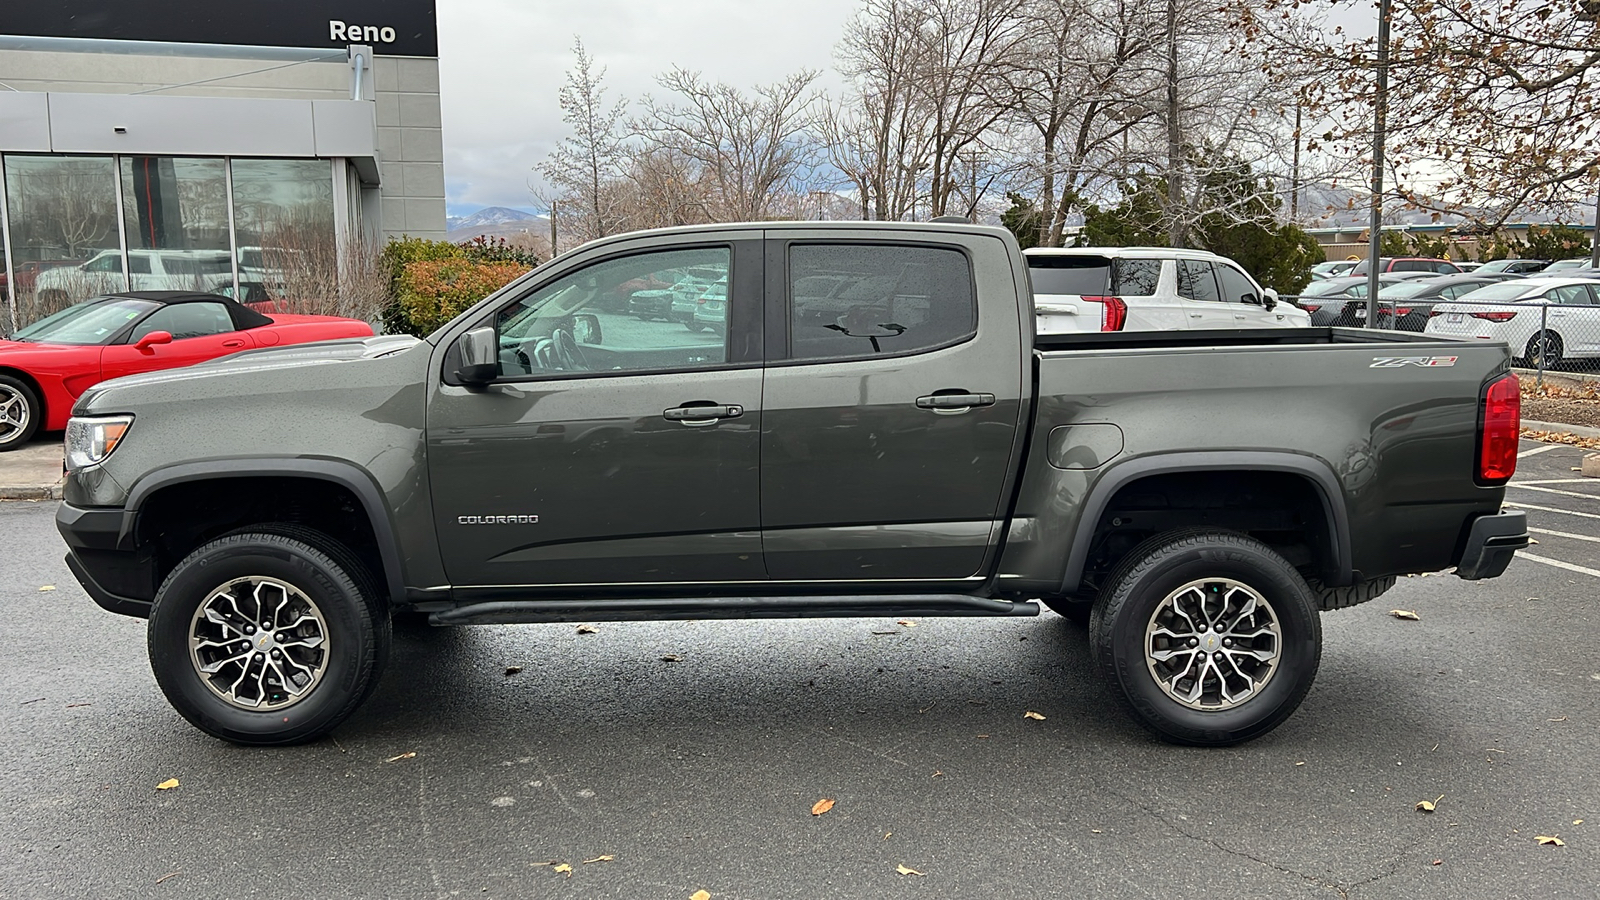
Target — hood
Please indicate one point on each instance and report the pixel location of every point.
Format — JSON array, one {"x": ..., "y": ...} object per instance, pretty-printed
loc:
[{"x": 264, "y": 360}]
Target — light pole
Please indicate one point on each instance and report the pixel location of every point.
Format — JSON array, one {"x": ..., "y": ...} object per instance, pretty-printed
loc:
[{"x": 1380, "y": 112}]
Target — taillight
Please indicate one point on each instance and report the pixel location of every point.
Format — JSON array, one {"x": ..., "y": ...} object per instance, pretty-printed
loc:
[
  {"x": 1402, "y": 310},
  {"x": 1494, "y": 316},
  {"x": 1113, "y": 312},
  {"x": 1432, "y": 313},
  {"x": 1497, "y": 435},
  {"x": 1311, "y": 307}
]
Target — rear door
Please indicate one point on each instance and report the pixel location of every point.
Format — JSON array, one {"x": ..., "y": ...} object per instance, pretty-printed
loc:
[
  {"x": 1574, "y": 315},
  {"x": 1203, "y": 299},
  {"x": 891, "y": 411}
]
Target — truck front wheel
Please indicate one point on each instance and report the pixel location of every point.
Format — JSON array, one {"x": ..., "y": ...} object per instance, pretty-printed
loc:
[
  {"x": 1211, "y": 637},
  {"x": 266, "y": 638}
]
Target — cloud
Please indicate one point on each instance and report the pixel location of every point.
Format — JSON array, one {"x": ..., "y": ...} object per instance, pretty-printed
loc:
[{"x": 502, "y": 62}]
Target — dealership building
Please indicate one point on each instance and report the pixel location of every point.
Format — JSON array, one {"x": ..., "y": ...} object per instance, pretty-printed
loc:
[{"x": 236, "y": 148}]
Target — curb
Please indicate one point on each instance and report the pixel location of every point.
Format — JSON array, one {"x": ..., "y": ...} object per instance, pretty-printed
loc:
[
  {"x": 30, "y": 491},
  {"x": 1535, "y": 425}
]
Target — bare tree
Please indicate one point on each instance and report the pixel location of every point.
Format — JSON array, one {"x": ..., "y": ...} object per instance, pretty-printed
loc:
[
  {"x": 588, "y": 163},
  {"x": 747, "y": 147},
  {"x": 1491, "y": 105}
]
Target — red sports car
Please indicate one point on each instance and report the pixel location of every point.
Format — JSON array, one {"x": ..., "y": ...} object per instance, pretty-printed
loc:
[{"x": 46, "y": 366}]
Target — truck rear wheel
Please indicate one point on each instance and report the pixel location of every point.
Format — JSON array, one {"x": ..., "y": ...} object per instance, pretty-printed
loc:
[
  {"x": 265, "y": 638},
  {"x": 1211, "y": 637}
]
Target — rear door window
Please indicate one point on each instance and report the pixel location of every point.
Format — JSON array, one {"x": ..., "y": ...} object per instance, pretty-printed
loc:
[
  {"x": 850, "y": 301},
  {"x": 1196, "y": 281},
  {"x": 1084, "y": 276}
]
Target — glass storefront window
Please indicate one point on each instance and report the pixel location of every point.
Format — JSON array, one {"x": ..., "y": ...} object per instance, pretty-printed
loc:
[
  {"x": 175, "y": 212},
  {"x": 63, "y": 219},
  {"x": 284, "y": 228}
]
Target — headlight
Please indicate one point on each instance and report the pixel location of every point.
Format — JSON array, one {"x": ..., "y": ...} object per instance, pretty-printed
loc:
[{"x": 90, "y": 441}]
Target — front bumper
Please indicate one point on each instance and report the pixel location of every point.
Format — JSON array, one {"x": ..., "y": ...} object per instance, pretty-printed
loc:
[
  {"x": 1491, "y": 543},
  {"x": 115, "y": 575}
]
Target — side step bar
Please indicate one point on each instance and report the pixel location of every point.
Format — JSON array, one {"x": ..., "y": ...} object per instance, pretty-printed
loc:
[{"x": 527, "y": 612}]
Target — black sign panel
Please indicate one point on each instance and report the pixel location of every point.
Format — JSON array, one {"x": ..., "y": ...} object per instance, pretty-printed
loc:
[{"x": 392, "y": 27}]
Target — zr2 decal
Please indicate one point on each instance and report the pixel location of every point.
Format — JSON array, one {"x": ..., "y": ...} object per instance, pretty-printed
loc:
[{"x": 1426, "y": 362}]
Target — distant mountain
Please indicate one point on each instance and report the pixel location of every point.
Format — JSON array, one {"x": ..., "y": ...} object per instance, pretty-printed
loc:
[
  {"x": 494, "y": 221},
  {"x": 488, "y": 217}
]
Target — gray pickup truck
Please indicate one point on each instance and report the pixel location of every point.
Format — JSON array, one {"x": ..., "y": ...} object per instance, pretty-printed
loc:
[{"x": 864, "y": 424}]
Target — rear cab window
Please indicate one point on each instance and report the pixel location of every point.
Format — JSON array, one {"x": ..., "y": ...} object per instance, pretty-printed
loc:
[{"x": 855, "y": 301}]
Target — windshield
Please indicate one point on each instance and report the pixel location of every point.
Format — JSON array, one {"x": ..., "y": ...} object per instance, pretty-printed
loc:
[
  {"x": 1403, "y": 290},
  {"x": 1508, "y": 290},
  {"x": 88, "y": 323}
]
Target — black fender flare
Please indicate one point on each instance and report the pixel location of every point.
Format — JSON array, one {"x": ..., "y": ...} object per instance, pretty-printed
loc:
[
  {"x": 1319, "y": 473},
  {"x": 340, "y": 472}
]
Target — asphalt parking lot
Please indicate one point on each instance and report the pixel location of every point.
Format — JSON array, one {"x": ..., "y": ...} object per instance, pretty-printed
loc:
[{"x": 700, "y": 772}]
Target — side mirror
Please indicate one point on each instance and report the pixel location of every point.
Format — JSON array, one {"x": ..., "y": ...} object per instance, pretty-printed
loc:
[
  {"x": 152, "y": 339},
  {"x": 586, "y": 329},
  {"x": 480, "y": 363},
  {"x": 1271, "y": 298}
]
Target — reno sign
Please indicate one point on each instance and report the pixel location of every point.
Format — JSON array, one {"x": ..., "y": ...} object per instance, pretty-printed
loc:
[{"x": 392, "y": 27}]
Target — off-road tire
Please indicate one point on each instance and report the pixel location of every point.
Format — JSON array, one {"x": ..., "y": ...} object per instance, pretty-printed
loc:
[
  {"x": 357, "y": 638},
  {"x": 1143, "y": 581},
  {"x": 1331, "y": 598}
]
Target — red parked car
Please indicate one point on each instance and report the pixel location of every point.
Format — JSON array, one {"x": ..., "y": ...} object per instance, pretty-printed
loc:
[{"x": 46, "y": 366}]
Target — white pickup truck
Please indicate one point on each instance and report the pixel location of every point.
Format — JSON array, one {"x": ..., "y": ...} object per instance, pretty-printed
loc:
[{"x": 1149, "y": 289}]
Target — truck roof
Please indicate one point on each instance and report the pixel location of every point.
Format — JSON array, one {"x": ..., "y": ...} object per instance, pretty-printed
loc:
[{"x": 1123, "y": 252}]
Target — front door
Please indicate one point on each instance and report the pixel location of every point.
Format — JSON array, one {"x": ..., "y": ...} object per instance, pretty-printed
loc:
[
  {"x": 891, "y": 416},
  {"x": 614, "y": 448},
  {"x": 200, "y": 330}
]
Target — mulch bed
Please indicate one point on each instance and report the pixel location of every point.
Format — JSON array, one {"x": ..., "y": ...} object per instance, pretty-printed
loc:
[{"x": 1570, "y": 401}]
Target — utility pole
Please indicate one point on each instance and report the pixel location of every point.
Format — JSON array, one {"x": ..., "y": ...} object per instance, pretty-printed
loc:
[
  {"x": 553, "y": 251},
  {"x": 1175, "y": 229},
  {"x": 1380, "y": 113},
  {"x": 1594, "y": 235},
  {"x": 1294, "y": 176}
]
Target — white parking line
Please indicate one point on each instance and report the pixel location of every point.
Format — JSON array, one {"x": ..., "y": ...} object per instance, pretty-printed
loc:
[
  {"x": 1582, "y": 570},
  {"x": 1553, "y": 509},
  {"x": 1554, "y": 491},
  {"x": 1566, "y": 534},
  {"x": 1560, "y": 481},
  {"x": 1538, "y": 450}
]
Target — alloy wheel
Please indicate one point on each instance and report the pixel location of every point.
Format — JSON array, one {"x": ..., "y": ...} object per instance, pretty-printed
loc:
[
  {"x": 259, "y": 643},
  {"x": 1213, "y": 644}
]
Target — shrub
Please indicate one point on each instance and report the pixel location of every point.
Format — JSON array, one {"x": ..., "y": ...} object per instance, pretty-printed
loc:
[{"x": 431, "y": 292}]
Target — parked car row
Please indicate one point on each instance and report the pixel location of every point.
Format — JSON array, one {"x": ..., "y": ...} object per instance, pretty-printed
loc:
[{"x": 1435, "y": 266}]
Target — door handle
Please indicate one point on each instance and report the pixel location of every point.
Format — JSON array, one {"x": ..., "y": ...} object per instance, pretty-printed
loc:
[
  {"x": 233, "y": 343},
  {"x": 1197, "y": 315},
  {"x": 954, "y": 401},
  {"x": 1238, "y": 316},
  {"x": 702, "y": 414}
]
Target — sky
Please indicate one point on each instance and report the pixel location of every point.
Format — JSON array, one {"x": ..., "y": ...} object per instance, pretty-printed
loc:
[{"x": 502, "y": 63}]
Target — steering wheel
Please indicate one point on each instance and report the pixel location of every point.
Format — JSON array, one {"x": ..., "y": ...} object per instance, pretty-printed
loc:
[{"x": 565, "y": 351}]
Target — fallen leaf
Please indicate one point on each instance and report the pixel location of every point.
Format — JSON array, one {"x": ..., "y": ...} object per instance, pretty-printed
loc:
[
  {"x": 46, "y": 587},
  {"x": 983, "y": 737},
  {"x": 166, "y": 876},
  {"x": 513, "y": 670},
  {"x": 1549, "y": 839},
  {"x": 907, "y": 870},
  {"x": 1301, "y": 763},
  {"x": 606, "y": 858},
  {"x": 938, "y": 773},
  {"x": 564, "y": 869},
  {"x": 1577, "y": 821},
  {"x": 699, "y": 895},
  {"x": 672, "y": 657},
  {"x": 1429, "y": 806},
  {"x": 1562, "y": 719},
  {"x": 886, "y": 835},
  {"x": 1096, "y": 831},
  {"x": 411, "y": 755},
  {"x": 1407, "y": 614},
  {"x": 1438, "y": 862},
  {"x": 586, "y": 629},
  {"x": 1533, "y": 540},
  {"x": 1030, "y": 714},
  {"x": 907, "y": 623},
  {"x": 821, "y": 806},
  {"x": 167, "y": 785}
]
